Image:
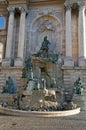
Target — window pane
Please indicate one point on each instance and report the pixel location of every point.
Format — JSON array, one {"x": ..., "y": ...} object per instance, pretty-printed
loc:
[{"x": 2, "y": 23}]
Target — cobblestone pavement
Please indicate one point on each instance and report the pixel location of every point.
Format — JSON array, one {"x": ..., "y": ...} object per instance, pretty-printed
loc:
[{"x": 77, "y": 122}]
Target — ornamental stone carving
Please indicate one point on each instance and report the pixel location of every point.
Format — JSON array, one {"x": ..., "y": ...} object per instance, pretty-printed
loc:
[
  {"x": 11, "y": 9},
  {"x": 36, "y": 12},
  {"x": 46, "y": 25},
  {"x": 68, "y": 5},
  {"x": 81, "y": 5},
  {"x": 2, "y": 2},
  {"x": 23, "y": 10},
  {"x": 45, "y": 12}
]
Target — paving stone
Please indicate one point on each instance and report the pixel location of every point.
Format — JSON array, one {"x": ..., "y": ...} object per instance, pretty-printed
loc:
[{"x": 77, "y": 122}]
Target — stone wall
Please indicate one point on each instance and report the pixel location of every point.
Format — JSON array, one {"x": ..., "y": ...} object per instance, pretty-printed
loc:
[{"x": 70, "y": 75}]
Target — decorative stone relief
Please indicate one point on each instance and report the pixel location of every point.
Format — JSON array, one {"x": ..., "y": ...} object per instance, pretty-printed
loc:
[
  {"x": 81, "y": 4},
  {"x": 46, "y": 25},
  {"x": 11, "y": 9},
  {"x": 23, "y": 10},
  {"x": 68, "y": 5},
  {"x": 37, "y": 12}
]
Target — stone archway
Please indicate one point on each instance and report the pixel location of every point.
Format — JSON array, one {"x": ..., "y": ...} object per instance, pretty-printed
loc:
[{"x": 46, "y": 26}]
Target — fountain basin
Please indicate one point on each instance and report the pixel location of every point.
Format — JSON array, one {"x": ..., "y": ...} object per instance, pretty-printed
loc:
[{"x": 12, "y": 112}]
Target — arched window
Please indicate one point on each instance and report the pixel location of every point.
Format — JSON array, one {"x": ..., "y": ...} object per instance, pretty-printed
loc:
[
  {"x": 1, "y": 52},
  {"x": 2, "y": 23}
]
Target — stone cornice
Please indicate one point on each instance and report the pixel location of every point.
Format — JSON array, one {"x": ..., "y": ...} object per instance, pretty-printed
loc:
[
  {"x": 18, "y": 1},
  {"x": 39, "y": 0}
]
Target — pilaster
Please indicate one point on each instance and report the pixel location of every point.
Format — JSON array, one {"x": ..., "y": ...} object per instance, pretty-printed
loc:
[
  {"x": 7, "y": 60},
  {"x": 81, "y": 34},
  {"x": 19, "y": 60},
  {"x": 68, "y": 61}
]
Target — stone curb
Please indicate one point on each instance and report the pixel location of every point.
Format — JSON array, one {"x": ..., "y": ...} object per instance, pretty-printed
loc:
[{"x": 12, "y": 112}]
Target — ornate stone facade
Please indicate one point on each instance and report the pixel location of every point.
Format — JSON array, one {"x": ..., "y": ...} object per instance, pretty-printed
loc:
[{"x": 28, "y": 21}]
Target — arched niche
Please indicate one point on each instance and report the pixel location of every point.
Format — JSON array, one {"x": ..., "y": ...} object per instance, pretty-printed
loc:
[{"x": 48, "y": 26}]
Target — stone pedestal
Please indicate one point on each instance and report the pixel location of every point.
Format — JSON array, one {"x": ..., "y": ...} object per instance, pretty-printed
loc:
[
  {"x": 82, "y": 62},
  {"x": 6, "y": 62},
  {"x": 18, "y": 62},
  {"x": 68, "y": 62}
]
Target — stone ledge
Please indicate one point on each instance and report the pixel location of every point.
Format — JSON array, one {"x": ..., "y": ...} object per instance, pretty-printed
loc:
[
  {"x": 73, "y": 68},
  {"x": 11, "y": 112},
  {"x": 10, "y": 68}
]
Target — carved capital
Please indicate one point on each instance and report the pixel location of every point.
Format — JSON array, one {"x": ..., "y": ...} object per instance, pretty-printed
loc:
[
  {"x": 11, "y": 9},
  {"x": 23, "y": 10},
  {"x": 81, "y": 5},
  {"x": 3, "y": 2},
  {"x": 68, "y": 5}
]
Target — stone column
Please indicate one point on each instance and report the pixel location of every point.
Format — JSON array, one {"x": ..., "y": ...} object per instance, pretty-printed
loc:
[
  {"x": 7, "y": 60},
  {"x": 81, "y": 35},
  {"x": 19, "y": 60},
  {"x": 68, "y": 61}
]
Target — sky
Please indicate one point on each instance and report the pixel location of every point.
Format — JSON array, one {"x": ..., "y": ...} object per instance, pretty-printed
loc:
[{"x": 2, "y": 22}]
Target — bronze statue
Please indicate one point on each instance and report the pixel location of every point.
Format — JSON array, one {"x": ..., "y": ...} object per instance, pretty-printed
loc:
[
  {"x": 45, "y": 44},
  {"x": 9, "y": 87},
  {"x": 28, "y": 64},
  {"x": 29, "y": 69},
  {"x": 78, "y": 87}
]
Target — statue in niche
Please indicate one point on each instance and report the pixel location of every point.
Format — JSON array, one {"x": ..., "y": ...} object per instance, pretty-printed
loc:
[
  {"x": 45, "y": 44},
  {"x": 45, "y": 47}
]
